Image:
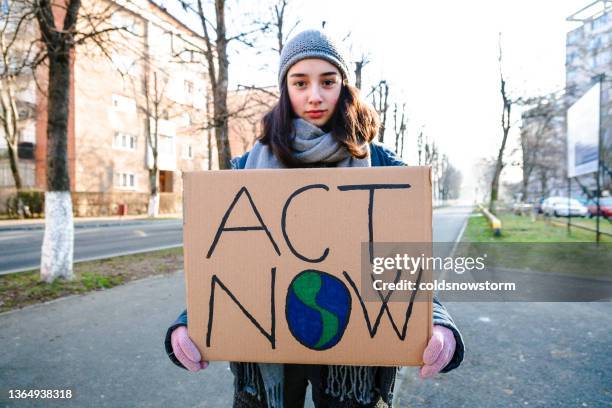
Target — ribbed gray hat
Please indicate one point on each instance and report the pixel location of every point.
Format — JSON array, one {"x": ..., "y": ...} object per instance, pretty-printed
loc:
[{"x": 311, "y": 44}]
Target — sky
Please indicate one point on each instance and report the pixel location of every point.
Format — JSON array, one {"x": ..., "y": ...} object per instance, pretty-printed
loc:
[{"x": 439, "y": 57}]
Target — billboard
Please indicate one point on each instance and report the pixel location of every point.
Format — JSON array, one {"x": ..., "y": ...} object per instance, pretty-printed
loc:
[{"x": 583, "y": 133}]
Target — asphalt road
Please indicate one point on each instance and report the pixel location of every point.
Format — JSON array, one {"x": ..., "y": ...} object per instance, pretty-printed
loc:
[
  {"x": 20, "y": 248},
  {"x": 107, "y": 348}
]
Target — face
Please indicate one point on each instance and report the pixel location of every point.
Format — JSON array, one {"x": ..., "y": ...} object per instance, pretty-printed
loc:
[{"x": 314, "y": 88}]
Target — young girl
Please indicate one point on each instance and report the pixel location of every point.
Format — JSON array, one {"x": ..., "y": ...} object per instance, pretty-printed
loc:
[{"x": 319, "y": 121}]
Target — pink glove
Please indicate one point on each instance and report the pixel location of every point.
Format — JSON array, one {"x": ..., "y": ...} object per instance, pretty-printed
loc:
[
  {"x": 439, "y": 351},
  {"x": 185, "y": 351}
]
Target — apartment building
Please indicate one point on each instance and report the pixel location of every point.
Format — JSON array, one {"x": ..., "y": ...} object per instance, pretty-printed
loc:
[
  {"x": 146, "y": 87},
  {"x": 588, "y": 56}
]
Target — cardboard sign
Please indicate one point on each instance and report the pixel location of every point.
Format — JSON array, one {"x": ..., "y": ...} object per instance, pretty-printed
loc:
[{"x": 273, "y": 263}]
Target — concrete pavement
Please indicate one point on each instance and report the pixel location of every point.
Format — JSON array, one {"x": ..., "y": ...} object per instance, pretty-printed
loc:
[
  {"x": 107, "y": 347},
  {"x": 523, "y": 355}
]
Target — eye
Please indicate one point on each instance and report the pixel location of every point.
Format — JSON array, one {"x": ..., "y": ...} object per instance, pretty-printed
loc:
[
  {"x": 299, "y": 84},
  {"x": 329, "y": 82}
]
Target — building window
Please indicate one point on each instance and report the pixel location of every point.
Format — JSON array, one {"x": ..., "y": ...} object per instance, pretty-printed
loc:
[
  {"x": 166, "y": 144},
  {"x": 188, "y": 85},
  {"x": 187, "y": 151},
  {"x": 602, "y": 59},
  {"x": 125, "y": 181},
  {"x": 169, "y": 42},
  {"x": 124, "y": 141},
  {"x": 600, "y": 22}
]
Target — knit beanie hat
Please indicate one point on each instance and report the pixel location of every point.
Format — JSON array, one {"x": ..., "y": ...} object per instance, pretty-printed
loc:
[{"x": 311, "y": 44}]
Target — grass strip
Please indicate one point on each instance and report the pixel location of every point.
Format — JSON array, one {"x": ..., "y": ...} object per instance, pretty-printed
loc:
[
  {"x": 541, "y": 246},
  {"x": 24, "y": 288}
]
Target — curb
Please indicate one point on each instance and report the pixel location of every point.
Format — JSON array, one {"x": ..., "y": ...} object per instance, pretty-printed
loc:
[{"x": 80, "y": 224}]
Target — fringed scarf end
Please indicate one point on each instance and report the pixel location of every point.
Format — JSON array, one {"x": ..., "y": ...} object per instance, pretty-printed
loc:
[{"x": 346, "y": 382}]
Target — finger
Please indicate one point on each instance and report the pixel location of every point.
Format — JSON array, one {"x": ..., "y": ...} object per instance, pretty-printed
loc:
[
  {"x": 432, "y": 351},
  {"x": 426, "y": 372},
  {"x": 185, "y": 361},
  {"x": 443, "y": 359},
  {"x": 448, "y": 352},
  {"x": 182, "y": 358},
  {"x": 190, "y": 350}
]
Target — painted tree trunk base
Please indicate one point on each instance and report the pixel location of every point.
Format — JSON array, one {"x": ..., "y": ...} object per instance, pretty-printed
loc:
[
  {"x": 58, "y": 241},
  {"x": 153, "y": 209}
]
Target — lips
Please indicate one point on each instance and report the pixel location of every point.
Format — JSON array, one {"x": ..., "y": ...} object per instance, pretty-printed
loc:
[{"x": 315, "y": 114}]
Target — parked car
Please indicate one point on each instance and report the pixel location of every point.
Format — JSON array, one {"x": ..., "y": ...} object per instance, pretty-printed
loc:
[
  {"x": 522, "y": 208},
  {"x": 605, "y": 207},
  {"x": 558, "y": 206}
]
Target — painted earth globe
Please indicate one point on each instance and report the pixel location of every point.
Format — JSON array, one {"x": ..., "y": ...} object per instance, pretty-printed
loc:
[{"x": 317, "y": 309}]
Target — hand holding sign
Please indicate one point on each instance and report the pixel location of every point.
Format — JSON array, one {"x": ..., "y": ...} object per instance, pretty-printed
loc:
[
  {"x": 439, "y": 351},
  {"x": 185, "y": 351}
]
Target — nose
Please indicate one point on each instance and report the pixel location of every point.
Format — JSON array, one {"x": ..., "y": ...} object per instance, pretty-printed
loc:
[{"x": 315, "y": 95}]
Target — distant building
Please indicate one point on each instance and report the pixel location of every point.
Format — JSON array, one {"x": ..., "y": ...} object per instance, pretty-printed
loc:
[
  {"x": 108, "y": 149},
  {"x": 589, "y": 55}
]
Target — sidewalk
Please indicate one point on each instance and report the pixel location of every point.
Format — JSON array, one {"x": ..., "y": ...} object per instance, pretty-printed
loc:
[
  {"x": 81, "y": 222},
  {"x": 107, "y": 347}
]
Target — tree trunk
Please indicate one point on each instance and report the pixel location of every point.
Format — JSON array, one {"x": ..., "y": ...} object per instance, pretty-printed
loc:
[
  {"x": 221, "y": 132},
  {"x": 153, "y": 139},
  {"x": 153, "y": 209},
  {"x": 9, "y": 112},
  {"x": 220, "y": 90},
  {"x": 498, "y": 168},
  {"x": 58, "y": 241},
  {"x": 500, "y": 155},
  {"x": 14, "y": 162},
  {"x": 358, "y": 68}
]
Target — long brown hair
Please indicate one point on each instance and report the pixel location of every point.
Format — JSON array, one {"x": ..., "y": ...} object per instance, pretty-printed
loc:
[{"x": 353, "y": 125}]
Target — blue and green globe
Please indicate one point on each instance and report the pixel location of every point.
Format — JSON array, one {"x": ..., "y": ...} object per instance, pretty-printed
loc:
[{"x": 318, "y": 308}]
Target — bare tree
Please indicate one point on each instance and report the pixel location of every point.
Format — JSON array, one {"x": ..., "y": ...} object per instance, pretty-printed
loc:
[
  {"x": 505, "y": 122},
  {"x": 57, "y": 249},
  {"x": 58, "y": 45},
  {"x": 431, "y": 158},
  {"x": 420, "y": 144},
  {"x": 484, "y": 169},
  {"x": 18, "y": 55},
  {"x": 538, "y": 132},
  {"x": 399, "y": 126},
  {"x": 279, "y": 23},
  {"x": 380, "y": 96},
  {"x": 155, "y": 108},
  {"x": 450, "y": 182},
  {"x": 359, "y": 65},
  {"x": 215, "y": 52}
]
